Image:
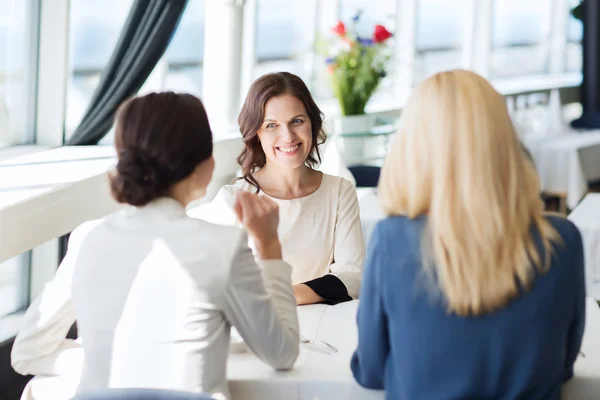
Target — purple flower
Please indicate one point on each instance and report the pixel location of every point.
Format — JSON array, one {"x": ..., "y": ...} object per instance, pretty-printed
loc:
[
  {"x": 357, "y": 16},
  {"x": 365, "y": 41},
  {"x": 330, "y": 60}
]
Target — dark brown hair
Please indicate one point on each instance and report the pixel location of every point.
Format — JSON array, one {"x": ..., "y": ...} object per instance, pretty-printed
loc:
[
  {"x": 253, "y": 113},
  {"x": 160, "y": 138}
]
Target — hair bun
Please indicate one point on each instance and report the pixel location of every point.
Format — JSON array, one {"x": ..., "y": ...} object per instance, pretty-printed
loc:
[{"x": 139, "y": 178}]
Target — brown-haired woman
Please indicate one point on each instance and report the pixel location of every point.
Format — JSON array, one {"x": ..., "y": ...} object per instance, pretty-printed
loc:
[
  {"x": 320, "y": 230},
  {"x": 153, "y": 291}
]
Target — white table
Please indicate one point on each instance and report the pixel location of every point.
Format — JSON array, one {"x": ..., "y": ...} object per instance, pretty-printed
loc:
[
  {"x": 320, "y": 376},
  {"x": 566, "y": 162},
  {"x": 585, "y": 385},
  {"x": 586, "y": 216},
  {"x": 316, "y": 375}
]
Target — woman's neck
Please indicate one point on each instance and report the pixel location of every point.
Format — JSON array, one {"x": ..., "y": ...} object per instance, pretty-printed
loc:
[{"x": 288, "y": 183}]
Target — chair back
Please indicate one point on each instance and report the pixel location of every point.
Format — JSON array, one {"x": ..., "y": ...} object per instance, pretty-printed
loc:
[{"x": 365, "y": 175}]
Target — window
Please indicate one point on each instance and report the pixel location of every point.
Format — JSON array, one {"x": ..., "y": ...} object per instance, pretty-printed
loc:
[
  {"x": 520, "y": 37},
  {"x": 439, "y": 36},
  {"x": 185, "y": 53},
  {"x": 14, "y": 284},
  {"x": 285, "y": 38},
  {"x": 574, "y": 36},
  {"x": 372, "y": 12},
  {"x": 18, "y": 27},
  {"x": 94, "y": 31}
]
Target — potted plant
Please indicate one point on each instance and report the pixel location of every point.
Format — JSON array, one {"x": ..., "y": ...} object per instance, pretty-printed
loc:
[{"x": 356, "y": 66}]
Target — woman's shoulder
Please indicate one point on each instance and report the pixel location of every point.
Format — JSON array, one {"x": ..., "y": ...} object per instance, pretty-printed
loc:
[
  {"x": 401, "y": 224},
  {"x": 238, "y": 184},
  {"x": 228, "y": 192},
  {"x": 561, "y": 223},
  {"x": 338, "y": 184},
  {"x": 566, "y": 229}
]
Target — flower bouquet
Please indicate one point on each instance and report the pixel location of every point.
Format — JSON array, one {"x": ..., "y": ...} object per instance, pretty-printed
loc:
[{"x": 357, "y": 64}]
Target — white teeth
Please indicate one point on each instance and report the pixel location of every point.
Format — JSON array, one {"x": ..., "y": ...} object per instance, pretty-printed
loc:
[{"x": 289, "y": 149}]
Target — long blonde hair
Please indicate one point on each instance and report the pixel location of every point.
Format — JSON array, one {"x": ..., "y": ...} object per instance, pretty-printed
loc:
[{"x": 456, "y": 158}]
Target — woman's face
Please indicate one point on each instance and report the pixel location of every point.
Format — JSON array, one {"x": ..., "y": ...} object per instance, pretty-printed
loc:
[{"x": 286, "y": 132}]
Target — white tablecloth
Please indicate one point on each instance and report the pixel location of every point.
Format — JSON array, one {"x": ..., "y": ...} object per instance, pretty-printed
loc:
[
  {"x": 567, "y": 162},
  {"x": 320, "y": 376},
  {"x": 585, "y": 385},
  {"x": 586, "y": 216},
  {"x": 317, "y": 375}
]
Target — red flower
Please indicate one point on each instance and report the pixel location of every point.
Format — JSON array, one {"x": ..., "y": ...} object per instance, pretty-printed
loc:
[
  {"x": 331, "y": 68},
  {"x": 381, "y": 34},
  {"x": 339, "y": 28}
]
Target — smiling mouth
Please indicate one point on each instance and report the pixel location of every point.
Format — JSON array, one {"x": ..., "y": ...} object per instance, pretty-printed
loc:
[{"x": 289, "y": 150}]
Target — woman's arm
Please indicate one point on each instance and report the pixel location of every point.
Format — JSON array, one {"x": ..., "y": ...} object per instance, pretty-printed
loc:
[
  {"x": 344, "y": 282},
  {"x": 41, "y": 347},
  {"x": 368, "y": 361},
  {"x": 261, "y": 305}
]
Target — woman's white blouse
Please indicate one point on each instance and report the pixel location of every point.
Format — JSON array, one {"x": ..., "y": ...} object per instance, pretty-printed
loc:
[
  {"x": 154, "y": 293},
  {"x": 320, "y": 233}
]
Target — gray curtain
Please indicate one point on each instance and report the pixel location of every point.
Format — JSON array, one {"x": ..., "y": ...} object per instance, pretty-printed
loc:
[{"x": 144, "y": 38}]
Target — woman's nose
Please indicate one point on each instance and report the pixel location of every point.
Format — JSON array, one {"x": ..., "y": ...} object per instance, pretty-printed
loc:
[{"x": 287, "y": 133}]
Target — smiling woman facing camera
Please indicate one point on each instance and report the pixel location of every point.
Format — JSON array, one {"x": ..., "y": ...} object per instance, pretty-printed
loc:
[
  {"x": 320, "y": 230},
  {"x": 153, "y": 291},
  {"x": 470, "y": 292}
]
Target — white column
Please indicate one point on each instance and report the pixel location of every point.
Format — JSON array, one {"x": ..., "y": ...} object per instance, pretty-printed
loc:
[
  {"x": 327, "y": 15},
  {"x": 249, "y": 46},
  {"x": 477, "y": 42},
  {"x": 405, "y": 44},
  {"x": 468, "y": 34},
  {"x": 223, "y": 62},
  {"x": 157, "y": 78},
  {"x": 559, "y": 21},
  {"x": 53, "y": 72}
]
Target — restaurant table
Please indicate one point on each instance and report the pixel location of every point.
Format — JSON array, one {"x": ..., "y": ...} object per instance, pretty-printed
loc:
[
  {"x": 566, "y": 163},
  {"x": 586, "y": 216},
  {"x": 319, "y": 374}
]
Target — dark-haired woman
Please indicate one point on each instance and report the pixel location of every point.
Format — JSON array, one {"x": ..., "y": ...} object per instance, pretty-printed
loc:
[
  {"x": 320, "y": 230},
  {"x": 154, "y": 292}
]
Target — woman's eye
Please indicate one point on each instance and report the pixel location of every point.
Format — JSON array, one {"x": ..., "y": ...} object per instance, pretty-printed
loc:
[
  {"x": 297, "y": 121},
  {"x": 271, "y": 126}
]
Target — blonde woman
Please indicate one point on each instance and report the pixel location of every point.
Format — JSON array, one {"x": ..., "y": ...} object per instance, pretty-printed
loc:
[{"x": 469, "y": 291}]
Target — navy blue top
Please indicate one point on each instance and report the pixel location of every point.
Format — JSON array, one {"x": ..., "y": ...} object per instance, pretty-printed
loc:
[{"x": 411, "y": 346}]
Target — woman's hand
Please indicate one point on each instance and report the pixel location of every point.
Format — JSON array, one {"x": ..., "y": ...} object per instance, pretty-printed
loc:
[
  {"x": 305, "y": 295},
  {"x": 260, "y": 217}
]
